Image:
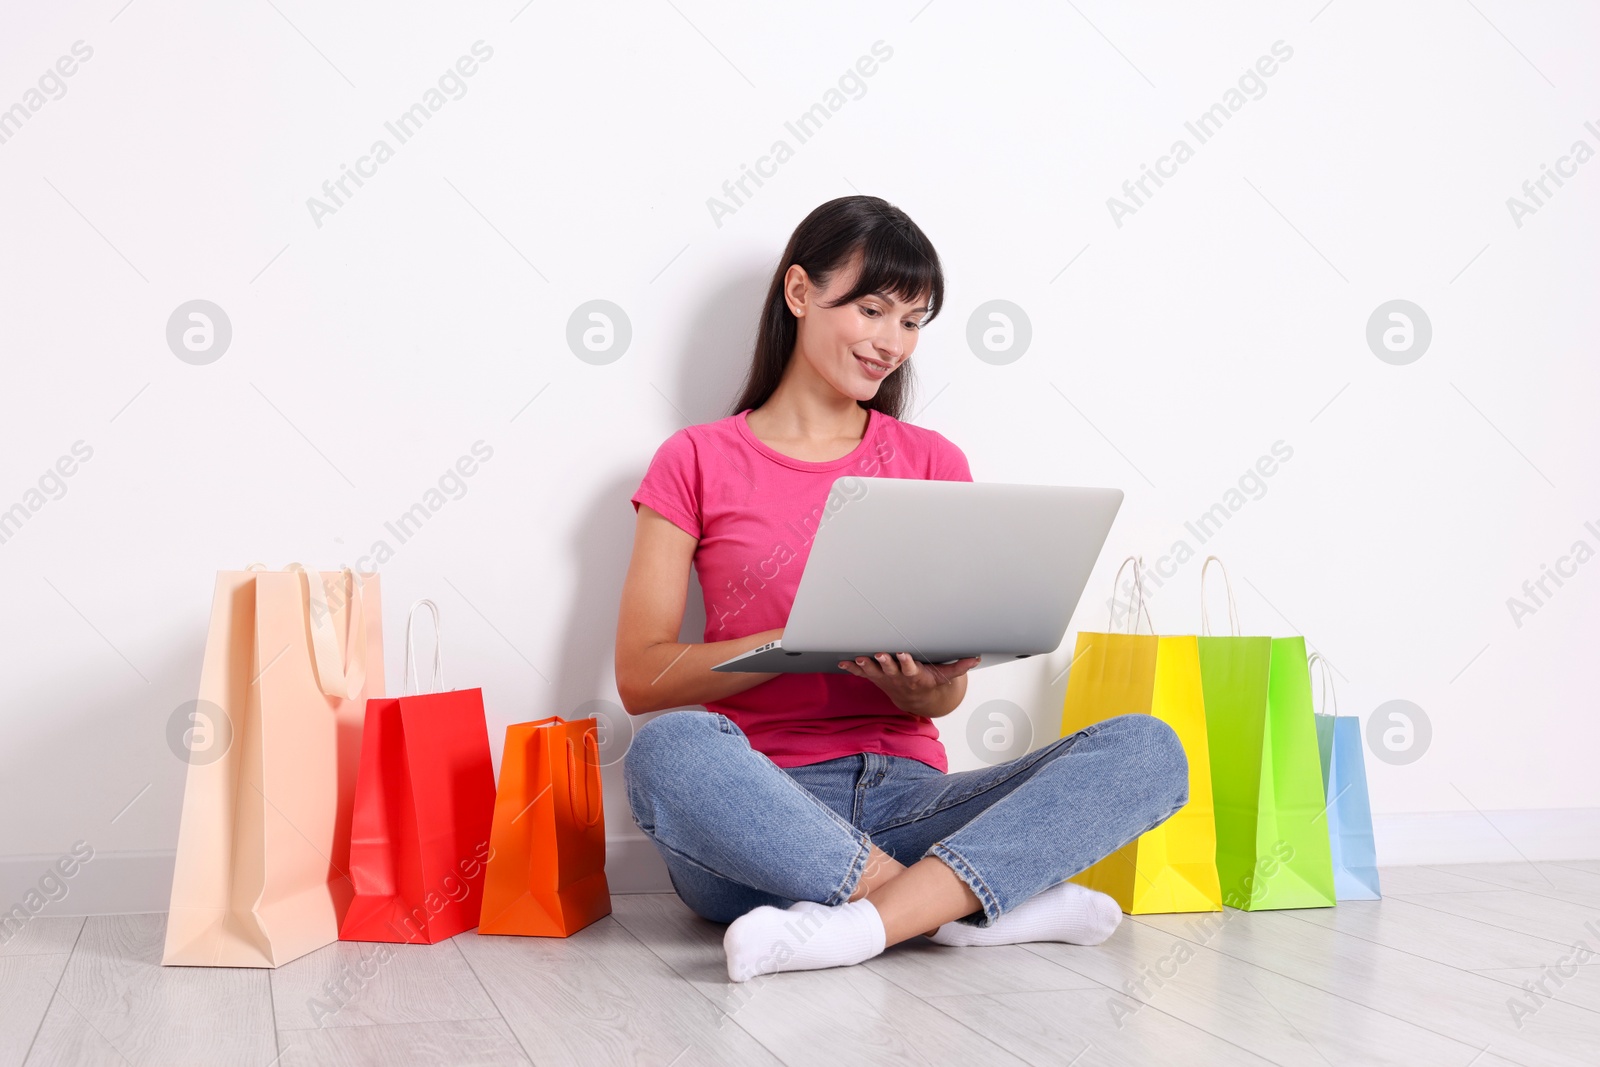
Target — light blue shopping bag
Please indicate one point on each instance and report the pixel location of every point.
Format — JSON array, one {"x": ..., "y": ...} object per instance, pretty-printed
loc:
[{"x": 1344, "y": 783}]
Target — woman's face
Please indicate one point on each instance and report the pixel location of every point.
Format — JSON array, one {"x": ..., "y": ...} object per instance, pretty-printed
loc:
[{"x": 854, "y": 346}]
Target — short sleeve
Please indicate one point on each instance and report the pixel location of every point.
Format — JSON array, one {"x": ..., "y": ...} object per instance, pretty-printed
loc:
[
  {"x": 949, "y": 462},
  {"x": 671, "y": 484}
]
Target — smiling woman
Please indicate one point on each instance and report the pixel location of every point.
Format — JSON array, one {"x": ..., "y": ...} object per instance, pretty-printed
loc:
[
  {"x": 790, "y": 801},
  {"x": 827, "y": 383}
]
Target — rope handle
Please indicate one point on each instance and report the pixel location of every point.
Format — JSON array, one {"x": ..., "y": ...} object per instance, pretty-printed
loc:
[
  {"x": 1317, "y": 659},
  {"x": 1233, "y": 608},
  {"x": 409, "y": 678},
  {"x": 1139, "y": 606},
  {"x": 591, "y": 801},
  {"x": 349, "y": 681}
]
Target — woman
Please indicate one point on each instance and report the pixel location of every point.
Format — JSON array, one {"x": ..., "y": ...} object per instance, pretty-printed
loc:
[{"x": 814, "y": 813}]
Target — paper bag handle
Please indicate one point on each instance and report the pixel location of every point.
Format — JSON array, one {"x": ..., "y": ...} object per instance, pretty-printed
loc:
[
  {"x": 591, "y": 793},
  {"x": 409, "y": 677},
  {"x": 1138, "y": 607},
  {"x": 349, "y": 682},
  {"x": 1233, "y": 609},
  {"x": 1316, "y": 659}
]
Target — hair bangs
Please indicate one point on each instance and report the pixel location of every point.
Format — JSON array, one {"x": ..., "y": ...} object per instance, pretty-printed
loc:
[{"x": 901, "y": 263}]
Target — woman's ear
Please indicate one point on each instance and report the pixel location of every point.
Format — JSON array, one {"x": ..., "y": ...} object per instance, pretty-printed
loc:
[{"x": 796, "y": 290}]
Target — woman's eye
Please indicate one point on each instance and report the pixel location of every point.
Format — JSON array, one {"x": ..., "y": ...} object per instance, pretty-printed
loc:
[{"x": 869, "y": 311}]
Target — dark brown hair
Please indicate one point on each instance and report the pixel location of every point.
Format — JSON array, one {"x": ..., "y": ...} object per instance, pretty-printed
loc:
[{"x": 897, "y": 259}]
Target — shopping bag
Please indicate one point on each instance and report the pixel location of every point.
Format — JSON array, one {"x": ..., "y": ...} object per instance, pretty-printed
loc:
[
  {"x": 547, "y": 865},
  {"x": 290, "y": 659},
  {"x": 1172, "y": 868},
  {"x": 419, "y": 835},
  {"x": 1346, "y": 804},
  {"x": 1266, "y": 777}
]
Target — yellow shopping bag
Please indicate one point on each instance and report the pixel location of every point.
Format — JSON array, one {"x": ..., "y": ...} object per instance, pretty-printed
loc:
[{"x": 1173, "y": 868}]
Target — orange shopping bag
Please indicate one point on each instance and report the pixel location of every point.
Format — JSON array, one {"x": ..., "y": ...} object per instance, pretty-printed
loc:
[{"x": 547, "y": 861}]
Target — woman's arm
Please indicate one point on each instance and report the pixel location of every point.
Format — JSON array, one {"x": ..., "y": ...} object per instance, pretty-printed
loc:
[{"x": 654, "y": 669}]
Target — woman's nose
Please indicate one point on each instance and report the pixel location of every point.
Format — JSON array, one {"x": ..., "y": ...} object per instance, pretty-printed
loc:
[{"x": 891, "y": 341}]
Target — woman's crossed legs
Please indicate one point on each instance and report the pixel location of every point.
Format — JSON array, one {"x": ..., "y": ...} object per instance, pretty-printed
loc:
[{"x": 747, "y": 843}]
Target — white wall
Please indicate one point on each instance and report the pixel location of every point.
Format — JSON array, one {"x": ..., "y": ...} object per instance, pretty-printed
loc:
[{"x": 1168, "y": 352}]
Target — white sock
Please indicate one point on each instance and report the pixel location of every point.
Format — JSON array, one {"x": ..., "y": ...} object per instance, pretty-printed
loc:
[
  {"x": 803, "y": 937},
  {"x": 1065, "y": 912}
]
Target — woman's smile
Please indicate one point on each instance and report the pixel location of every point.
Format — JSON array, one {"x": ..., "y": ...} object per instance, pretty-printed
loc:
[{"x": 876, "y": 369}]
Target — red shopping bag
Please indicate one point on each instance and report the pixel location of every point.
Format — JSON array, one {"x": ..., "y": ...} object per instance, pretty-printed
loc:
[{"x": 424, "y": 805}]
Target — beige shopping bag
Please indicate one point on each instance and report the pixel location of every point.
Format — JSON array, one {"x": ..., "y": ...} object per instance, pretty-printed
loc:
[{"x": 290, "y": 660}]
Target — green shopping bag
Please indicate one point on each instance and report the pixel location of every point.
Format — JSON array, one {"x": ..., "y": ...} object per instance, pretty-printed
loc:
[{"x": 1266, "y": 771}]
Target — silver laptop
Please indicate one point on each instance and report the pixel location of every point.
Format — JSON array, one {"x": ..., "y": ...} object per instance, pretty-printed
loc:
[{"x": 941, "y": 570}]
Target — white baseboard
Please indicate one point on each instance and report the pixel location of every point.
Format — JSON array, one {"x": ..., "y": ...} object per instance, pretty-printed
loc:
[
  {"x": 111, "y": 883},
  {"x": 115, "y": 883},
  {"x": 120, "y": 883},
  {"x": 1416, "y": 838}
]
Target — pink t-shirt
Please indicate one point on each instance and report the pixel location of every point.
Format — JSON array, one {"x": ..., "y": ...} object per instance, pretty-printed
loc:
[{"x": 755, "y": 512}]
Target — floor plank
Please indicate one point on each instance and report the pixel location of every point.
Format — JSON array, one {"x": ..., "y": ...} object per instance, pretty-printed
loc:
[
  {"x": 1540, "y": 879},
  {"x": 1413, "y": 881},
  {"x": 43, "y": 936},
  {"x": 460, "y": 1043},
  {"x": 1557, "y": 922},
  {"x": 1591, "y": 866},
  {"x": 1422, "y": 928},
  {"x": 26, "y": 985},
  {"x": 822, "y": 1017},
  {"x": 1446, "y": 1000},
  {"x": 1277, "y": 1018},
  {"x": 852, "y": 1015},
  {"x": 117, "y": 1004},
  {"x": 363, "y": 984},
  {"x": 928, "y": 970},
  {"x": 1090, "y": 1028},
  {"x": 1581, "y": 986},
  {"x": 1435, "y": 973},
  {"x": 600, "y": 996}
]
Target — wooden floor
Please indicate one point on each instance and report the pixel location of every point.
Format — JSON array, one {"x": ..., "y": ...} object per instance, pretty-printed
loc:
[{"x": 1429, "y": 975}]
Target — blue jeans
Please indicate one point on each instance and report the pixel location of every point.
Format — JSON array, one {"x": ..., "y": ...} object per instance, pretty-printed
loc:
[{"x": 737, "y": 831}]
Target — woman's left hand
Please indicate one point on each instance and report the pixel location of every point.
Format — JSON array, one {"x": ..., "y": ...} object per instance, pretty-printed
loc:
[{"x": 914, "y": 686}]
